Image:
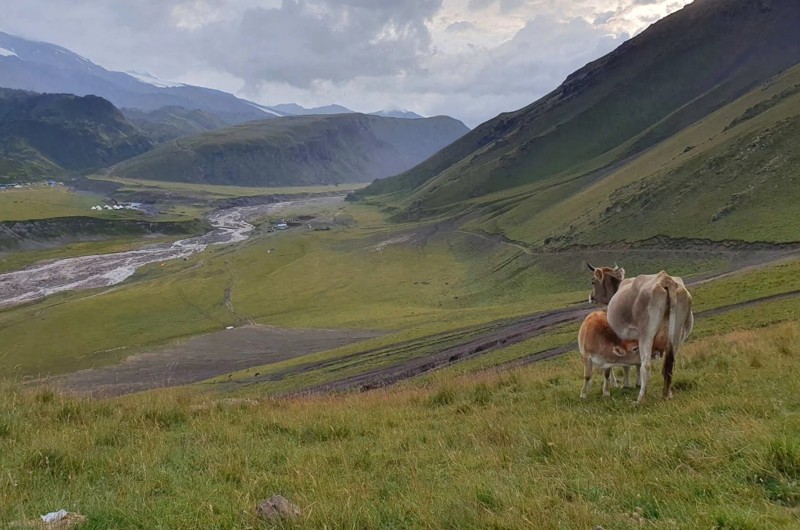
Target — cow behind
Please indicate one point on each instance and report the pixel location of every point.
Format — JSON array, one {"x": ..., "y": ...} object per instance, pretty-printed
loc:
[{"x": 642, "y": 309}]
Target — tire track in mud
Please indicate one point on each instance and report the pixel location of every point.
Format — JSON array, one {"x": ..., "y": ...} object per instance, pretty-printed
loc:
[{"x": 506, "y": 335}]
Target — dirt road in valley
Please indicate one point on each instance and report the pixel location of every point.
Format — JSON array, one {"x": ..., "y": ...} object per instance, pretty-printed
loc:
[{"x": 104, "y": 270}]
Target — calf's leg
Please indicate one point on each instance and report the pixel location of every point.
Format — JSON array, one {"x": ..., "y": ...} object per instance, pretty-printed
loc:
[
  {"x": 587, "y": 377},
  {"x": 608, "y": 373}
]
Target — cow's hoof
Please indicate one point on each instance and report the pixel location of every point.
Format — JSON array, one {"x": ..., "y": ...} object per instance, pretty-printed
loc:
[{"x": 583, "y": 396}]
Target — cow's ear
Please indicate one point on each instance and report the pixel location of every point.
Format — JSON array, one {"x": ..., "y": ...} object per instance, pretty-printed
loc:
[
  {"x": 598, "y": 273},
  {"x": 621, "y": 274}
]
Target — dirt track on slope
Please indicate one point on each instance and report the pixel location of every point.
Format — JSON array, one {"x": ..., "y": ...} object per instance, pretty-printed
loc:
[{"x": 517, "y": 331}]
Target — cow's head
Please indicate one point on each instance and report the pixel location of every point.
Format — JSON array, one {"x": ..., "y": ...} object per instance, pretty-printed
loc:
[{"x": 605, "y": 282}]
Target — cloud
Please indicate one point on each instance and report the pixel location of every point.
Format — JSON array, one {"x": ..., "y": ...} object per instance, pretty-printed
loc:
[
  {"x": 469, "y": 58},
  {"x": 304, "y": 41},
  {"x": 460, "y": 26}
]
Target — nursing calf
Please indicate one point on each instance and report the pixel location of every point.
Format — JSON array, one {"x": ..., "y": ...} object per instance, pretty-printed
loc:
[{"x": 601, "y": 348}]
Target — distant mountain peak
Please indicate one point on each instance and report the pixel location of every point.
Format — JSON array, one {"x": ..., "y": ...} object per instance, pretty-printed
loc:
[
  {"x": 299, "y": 110},
  {"x": 397, "y": 112}
]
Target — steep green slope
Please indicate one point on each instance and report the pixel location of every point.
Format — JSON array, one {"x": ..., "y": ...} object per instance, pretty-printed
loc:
[
  {"x": 732, "y": 175},
  {"x": 302, "y": 150},
  {"x": 168, "y": 123},
  {"x": 49, "y": 134},
  {"x": 653, "y": 86}
]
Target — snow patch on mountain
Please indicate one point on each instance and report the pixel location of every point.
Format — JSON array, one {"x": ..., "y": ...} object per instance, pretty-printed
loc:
[
  {"x": 266, "y": 109},
  {"x": 7, "y": 53},
  {"x": 150, "y": 79},
  {"x": 397, "y": 112}
]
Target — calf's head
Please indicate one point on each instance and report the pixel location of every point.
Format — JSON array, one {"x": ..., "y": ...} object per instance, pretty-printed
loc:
[{"x": 605, "y": 283}]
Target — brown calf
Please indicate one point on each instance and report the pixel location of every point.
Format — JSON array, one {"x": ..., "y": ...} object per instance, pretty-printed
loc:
[{"x": 601, "y": 348}]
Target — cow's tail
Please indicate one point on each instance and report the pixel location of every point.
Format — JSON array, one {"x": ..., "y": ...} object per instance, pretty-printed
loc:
[{"x": 677, "y": 318}]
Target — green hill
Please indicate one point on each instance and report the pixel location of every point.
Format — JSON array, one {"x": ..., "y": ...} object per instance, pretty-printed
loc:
[
  {"x": 661, "y": 128},
  {"x": 302, "y": 150},
  {"x": 168, "y": 123},
  {"x": 45, "y": 135}
]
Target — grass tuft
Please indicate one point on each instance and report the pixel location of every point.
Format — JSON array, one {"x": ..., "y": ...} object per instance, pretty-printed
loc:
[{"x": 442, "y": 397}]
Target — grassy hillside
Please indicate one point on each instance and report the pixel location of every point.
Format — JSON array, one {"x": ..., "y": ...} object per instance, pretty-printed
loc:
[
  {"x": 498, "y": 449},
  {"x": 168, "y": 123},
  {"x": 302, "y": 150},
  {"x": 732, "y": 175},
  {"x": 47, "y": 135},
  {"x": 614, "y": 109}
]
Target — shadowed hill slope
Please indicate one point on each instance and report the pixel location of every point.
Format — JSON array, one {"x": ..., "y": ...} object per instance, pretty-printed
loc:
[
  {"x": 168, "y": 123},
  {"x": 302, "y": 150},
  {"x": 43, "y": 134},
  {"x": 675, "y": 73}
]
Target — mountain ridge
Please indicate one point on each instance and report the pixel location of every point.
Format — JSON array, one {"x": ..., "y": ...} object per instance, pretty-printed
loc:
[
  {"x": 297, "y": 150},
  {"x": 43, "y": 134},
  {"x": 48, "y": 68}
]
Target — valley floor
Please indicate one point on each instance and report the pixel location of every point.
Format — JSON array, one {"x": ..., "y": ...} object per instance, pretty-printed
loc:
[{"x": 474, "y": 433}]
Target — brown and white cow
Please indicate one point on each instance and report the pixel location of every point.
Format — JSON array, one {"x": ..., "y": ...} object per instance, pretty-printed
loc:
[
  {"x": 601, "y": 348},
  {"x": 643, "y": 308}
]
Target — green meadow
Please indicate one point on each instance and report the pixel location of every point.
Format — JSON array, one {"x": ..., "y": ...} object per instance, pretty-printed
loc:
[{"x": 492, "y": 449}]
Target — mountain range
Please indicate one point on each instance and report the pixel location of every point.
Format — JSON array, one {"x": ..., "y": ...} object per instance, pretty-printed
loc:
[
  {"x": 299, "y": 150},
  {"x": 48, "y": 68},
  {"x": 693, "y": 119}
]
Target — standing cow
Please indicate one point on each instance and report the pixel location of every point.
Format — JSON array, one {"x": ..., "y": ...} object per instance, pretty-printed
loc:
[{"x": 642, "y": 308}]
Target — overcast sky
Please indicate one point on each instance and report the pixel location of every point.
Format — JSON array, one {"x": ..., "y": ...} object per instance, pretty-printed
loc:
[{"x": 470, "y": 59}]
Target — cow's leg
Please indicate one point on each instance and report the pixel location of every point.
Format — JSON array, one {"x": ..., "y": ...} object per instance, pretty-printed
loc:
[
  {"x": 669, "y": 363},
  {"x": 644, "y": 372},
  {"x": 587, "y": 377},
  {"x": 607, "y": 374},
  {"x": 647, "y": 334}
]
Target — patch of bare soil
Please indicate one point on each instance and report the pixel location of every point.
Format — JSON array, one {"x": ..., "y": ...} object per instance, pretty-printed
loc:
[{"x": 206, "y": 356}]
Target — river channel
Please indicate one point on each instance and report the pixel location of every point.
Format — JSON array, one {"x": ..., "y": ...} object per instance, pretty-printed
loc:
[{"x": 103, "y": 270}]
